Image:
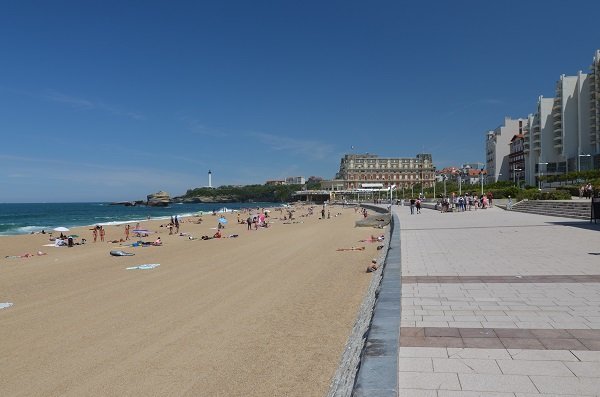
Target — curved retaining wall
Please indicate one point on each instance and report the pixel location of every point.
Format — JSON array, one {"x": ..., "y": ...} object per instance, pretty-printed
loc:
[{"x": 369, "y": 364}]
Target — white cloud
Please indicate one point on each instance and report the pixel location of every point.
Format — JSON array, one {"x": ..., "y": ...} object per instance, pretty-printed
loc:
[
  {"x": 467, "y": 106},
  {"x": 310, "y": 149},
  {"x": 86, "y": 104}
]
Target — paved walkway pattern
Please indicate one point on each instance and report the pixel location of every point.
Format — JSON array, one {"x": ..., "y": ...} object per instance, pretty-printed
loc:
[{"x": 499, "y": 303}]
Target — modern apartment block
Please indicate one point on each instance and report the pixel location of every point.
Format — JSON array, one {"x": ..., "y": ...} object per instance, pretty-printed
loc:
[
  {"x": 562, "y": 136},
  {"x": 571, "y": 120},
  {"x": 498, "y": 149},
  {"x": 359, "y": 169},
  {"x": 538, "y": 150},
  {"x": 594, "y": 77}
]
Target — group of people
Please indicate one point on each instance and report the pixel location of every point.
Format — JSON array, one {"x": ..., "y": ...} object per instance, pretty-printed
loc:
[
  {"x": 257, "y": 221},
  {"x": 415, "y": 205},
  {"x": 465, "y": 202},
  {"x": 98, "y": 230},
  {"x": 586, "y": 191}
]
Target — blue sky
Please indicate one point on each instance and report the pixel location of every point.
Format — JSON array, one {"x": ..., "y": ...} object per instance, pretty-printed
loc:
[{"x": 107, "y": 101}]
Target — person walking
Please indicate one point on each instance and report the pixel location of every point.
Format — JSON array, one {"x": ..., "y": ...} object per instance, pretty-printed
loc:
[{"x": 412, "y": 205}]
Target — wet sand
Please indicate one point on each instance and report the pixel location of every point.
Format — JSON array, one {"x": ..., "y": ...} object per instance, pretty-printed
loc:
[{"x": 264, "y": 314}]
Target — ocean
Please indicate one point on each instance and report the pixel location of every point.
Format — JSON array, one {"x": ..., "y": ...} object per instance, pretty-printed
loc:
[{"x": 33, "y": 217}]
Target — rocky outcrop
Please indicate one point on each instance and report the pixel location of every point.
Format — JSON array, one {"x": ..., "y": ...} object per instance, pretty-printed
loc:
[{"x": 159, "y": 199}]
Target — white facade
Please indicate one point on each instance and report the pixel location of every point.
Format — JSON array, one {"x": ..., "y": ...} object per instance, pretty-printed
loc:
[
  {"x": 498, "y": 148},
  {"x": 571, "y": 121},
  {"x": 594, "y": 106},
  {"x": 539, "y": 141}
]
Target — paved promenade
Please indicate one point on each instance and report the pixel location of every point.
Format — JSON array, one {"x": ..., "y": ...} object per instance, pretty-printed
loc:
[{"x": 498, "y": 303}]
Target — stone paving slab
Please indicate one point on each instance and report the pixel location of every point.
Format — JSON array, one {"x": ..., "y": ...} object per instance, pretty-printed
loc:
[
  {"x": 498, "y": 303},
  {"x": 501, "y": 338},
  {"x": 557, "y": 306}
]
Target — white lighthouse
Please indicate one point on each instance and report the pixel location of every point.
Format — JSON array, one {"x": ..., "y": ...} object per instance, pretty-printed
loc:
[{"x": 209, "y": 178}]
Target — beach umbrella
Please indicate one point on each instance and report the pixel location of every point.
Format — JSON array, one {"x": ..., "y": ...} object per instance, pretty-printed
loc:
[
  {"x": 222, "y": 220},
  {"x": 61, "y": 229}
]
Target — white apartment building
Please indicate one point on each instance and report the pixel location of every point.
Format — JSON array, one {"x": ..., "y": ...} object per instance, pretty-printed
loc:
[
  {"x": 571, "y": 121},
  {"x": 498, "y": 149},
  {"x": 594, "y": 78},
  {"x": 539, "y": 144},
  {"x": 563, "y": 135}
]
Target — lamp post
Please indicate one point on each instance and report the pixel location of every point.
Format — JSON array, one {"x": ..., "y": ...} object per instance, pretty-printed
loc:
[
  {"x": 579, "y": 160},
  {"x": 422, "y": 181},
  {"x": 445, "y": 177},
  {"x": 541, "y": 175},
  {"x": 481, "y": 177},
  {"x": 515, "y": 175}
]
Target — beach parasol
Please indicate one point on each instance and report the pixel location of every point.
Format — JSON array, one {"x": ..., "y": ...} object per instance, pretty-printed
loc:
[
  {"x": 223, "y": 220},
  {"x": 61, "y": 229}
]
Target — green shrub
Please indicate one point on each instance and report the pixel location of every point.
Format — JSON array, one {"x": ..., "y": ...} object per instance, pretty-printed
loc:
[{"x": 535, "y": 194}]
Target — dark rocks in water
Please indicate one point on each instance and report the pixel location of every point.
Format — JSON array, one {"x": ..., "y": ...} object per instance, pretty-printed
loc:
[{"x": 128, "y": 203}]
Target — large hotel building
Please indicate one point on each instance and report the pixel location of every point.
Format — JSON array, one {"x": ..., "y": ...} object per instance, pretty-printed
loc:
[{"x": 361, "y": 170}]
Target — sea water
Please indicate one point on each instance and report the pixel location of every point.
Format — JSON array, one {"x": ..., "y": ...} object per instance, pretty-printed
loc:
[{"x": 26, "y": 218}]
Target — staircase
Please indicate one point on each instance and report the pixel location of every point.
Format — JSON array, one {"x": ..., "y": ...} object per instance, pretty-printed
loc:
[{"x": 578, "y": 209}]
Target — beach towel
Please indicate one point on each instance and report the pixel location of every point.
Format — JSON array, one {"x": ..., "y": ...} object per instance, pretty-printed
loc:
[
  {"x": 144, "y": 267},
  {"x": 5, "y": 305},
  {"x": 121, "y": 253}
]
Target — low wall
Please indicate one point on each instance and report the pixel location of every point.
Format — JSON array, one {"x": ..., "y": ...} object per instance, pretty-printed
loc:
[{"x": 369, "y": 363}]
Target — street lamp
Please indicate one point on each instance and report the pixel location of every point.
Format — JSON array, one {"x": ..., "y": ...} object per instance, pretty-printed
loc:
[
  {"x": 541, "y": 175},
  {"x": 481, "y": 178},
  {"x": 445, "y": 177},
  {"x": 579, "y": 160},
  {"x": 515, "y": 175}
]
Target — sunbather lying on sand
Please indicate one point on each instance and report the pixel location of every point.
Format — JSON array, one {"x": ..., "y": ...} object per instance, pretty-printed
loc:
[
  {"x": 372, "y": 267},
  {"x": 373, "y": 239},
  {"x": 351, "y": 249},
  {"x": 26, "y": 255}
]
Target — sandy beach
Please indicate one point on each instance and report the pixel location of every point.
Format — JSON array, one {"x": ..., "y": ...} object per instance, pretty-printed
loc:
[{"x": 263, "y": 314}]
